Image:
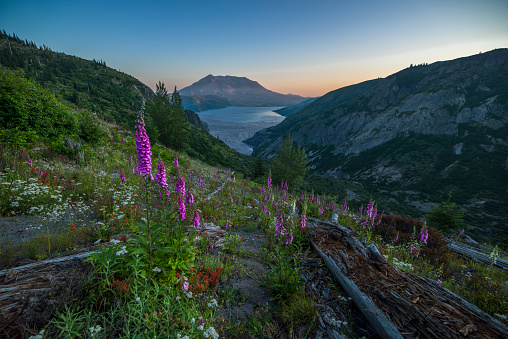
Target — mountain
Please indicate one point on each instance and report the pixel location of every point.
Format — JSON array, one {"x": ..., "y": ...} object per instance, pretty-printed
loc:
[
  {"x": 290, "y": 110},
  {"x": 238, "y": 91},
  {"x": 415, "y": 137},
  {"x": 198, "y": 103},
  {"x": 194, "y": 119}
]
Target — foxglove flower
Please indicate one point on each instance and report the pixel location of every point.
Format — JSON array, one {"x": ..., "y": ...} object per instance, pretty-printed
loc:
[
  {"x": 190, "y": 198},
  {"x": 122, "y": 176},
  {"x": 180, "y": 186},
  {"x": 303, "y": 220},
  {"x": 161, "y": 177},
  {"x": 30, "y": 163},
  {"x": 181, "y": 209},
  {"x": 195, "y": 222},
  {"x": 143, "y": 148},
  {"x": 176, "y": 162}
]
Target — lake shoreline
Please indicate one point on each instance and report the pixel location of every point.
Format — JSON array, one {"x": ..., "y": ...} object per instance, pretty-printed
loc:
[{"x": 235, "y": 124}]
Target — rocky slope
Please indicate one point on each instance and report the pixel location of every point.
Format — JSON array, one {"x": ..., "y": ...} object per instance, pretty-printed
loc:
[
  {"x": 238, "y": 91},
  {"x": 194, "y": 119},
  {"x": 418, "y": 135}
]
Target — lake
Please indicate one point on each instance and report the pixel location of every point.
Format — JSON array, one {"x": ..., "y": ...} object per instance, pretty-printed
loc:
[{"x": 235, "y": 124}]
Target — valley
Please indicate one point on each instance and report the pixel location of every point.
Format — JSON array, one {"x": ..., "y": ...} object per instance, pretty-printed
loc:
[
  {"x": 235, "y": 124},
  {"x": 124, "y": 214}
]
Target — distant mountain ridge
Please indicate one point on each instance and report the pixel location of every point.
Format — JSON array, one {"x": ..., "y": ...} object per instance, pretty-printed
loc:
[
  {"x": 416, "y": 136},
  {"x": 233, "y": 91}
]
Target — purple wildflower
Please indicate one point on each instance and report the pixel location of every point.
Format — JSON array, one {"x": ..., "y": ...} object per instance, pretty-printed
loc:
[
  {"x": 195, "y": 221},
  {"x": 122, "y": 176},
  {"x": 143, "y": 148},
  {"x": 396, "y": 238},
  {"x": 190, "y": 198},
  {"x": 180, "y": 186},
  {"x": 176, "y": 162},
  {"x": 303, "y": 220},
  {"x": 161, "y": 175},
  {"x": 30, "y": 163},
  {"x": 181, "y": 209}
]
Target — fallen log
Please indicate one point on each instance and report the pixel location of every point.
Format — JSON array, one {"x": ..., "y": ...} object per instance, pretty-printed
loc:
[
  {"x": 416, "y": 306},
  {"x": 22, "y": 285},
  {"x": 478, "y": 256},
  {"x": 383, "y": 326}
]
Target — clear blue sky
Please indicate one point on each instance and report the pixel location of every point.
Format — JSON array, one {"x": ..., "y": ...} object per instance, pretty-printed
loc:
[{"x": 303, "y": 47}]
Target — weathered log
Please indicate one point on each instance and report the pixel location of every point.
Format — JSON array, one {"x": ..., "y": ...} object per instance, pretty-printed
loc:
[
  {"x": 383, "y": 326},
  {"x": 478, "y": 256},
  {"x": 416, "y": 306},
  {"x": 17, "y": 285}
]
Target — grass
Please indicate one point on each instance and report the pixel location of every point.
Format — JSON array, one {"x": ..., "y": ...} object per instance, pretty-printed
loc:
[{"x": 130, "y": 298}]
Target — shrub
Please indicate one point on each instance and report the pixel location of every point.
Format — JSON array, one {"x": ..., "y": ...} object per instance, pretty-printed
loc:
[
  {"x": 446, "y": 217},
  {"x": 27, "y": 106}
]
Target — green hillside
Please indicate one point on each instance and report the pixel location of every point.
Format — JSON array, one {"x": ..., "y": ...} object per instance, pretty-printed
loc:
[
  {"x": 86, "y": 84},
  {"x": 93, "y": 86}
]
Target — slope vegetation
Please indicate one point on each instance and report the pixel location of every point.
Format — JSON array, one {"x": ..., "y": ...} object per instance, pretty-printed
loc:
[{"x": 415, "y": 137}]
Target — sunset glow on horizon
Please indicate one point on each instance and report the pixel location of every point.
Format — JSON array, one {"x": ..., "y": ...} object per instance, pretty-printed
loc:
[{"x": 299, "y": 47}]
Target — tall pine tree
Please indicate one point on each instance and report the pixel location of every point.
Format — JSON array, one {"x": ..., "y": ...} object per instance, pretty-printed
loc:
[{"x": 179, "y": 125}]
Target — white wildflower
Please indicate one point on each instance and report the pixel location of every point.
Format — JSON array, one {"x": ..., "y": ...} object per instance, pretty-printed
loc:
[
  {"x": 211, "y": 333},
  {"x": 122, "y": 251},
  {"x": 157, "y": 270}
]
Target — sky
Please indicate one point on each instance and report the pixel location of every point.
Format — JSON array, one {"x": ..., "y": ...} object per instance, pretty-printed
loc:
[{"x": 301, "y": 47}]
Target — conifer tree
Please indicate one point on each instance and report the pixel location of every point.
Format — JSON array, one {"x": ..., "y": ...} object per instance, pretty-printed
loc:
[
  {"x": 259, "y": 168},
  {"x": 168, "y": 115},
  {"x": 179, "y": 126},
  {"x": 290, "y": 165},
  {"x": 159, "y": 109}
]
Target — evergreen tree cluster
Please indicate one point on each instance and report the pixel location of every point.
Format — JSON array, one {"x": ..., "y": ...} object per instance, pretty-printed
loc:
[
  {"x": 290, "y": 165},
  {"x": 167, "y": 119}
]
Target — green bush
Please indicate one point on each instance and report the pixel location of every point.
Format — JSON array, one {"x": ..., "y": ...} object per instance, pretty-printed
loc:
[
  {"x": 89, "y": 129},
  {"x": 27, "y": 106},
  {"x": 446, "y": 217}
]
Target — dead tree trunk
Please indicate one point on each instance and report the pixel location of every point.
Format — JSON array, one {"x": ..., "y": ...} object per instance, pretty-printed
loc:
[
  {"x": 25, "y": 284},
  {"x": 478, "y": 256},
  {"x": 415, "y": 306}
]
